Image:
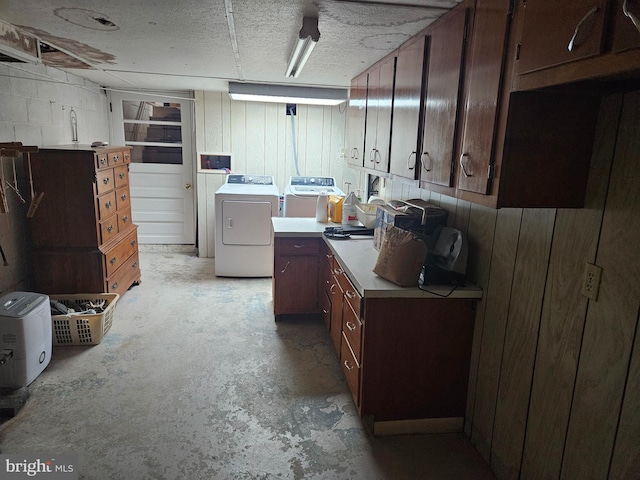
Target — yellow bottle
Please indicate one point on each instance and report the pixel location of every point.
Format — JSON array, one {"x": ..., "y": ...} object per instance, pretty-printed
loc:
[{"x": 335, "y": 208}]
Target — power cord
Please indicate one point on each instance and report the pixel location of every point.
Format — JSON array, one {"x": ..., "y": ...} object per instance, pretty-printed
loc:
[{"x": 421, "y": 287}]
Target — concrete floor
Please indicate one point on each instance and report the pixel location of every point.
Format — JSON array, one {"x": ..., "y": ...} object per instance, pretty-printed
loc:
[{"x": 195, "y": 380}]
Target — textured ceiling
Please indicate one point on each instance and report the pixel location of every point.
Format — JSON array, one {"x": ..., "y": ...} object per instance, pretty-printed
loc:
[{"x": 192, "y": 44}]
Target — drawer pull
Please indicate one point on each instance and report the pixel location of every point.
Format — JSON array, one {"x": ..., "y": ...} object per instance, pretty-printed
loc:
[
  {"x": 125, "y": 219},
  {"x": 350, "y": 294},
  {"x": 114, "y": 286},
  {"x": 133, "y": 243},
  {"x": 134, "y": 265},
  {"x": 108, "y": 204},
  {"x": 324, "y": 311},
  {"x": 110, "y": 228},
  {"x": 348, "y": 365},
  {"x": 337, "y": 271},
  {"x": 106, "y": 181},
  {"x": 631, "y": 16},
  {"x": 103, "y": 161},
  {"x": 333, "y": 285},
  {"x": 116, "y": 158},
  {"x": 299, "y": 246},
  {"x": 573, "y": 42},
  {"x": 285, "y": 267},
  {"x": 113, "y": 261},
  {"x": 351, "y": 326},
  {"x": 123, "y": 197},
  {"x": 121, "y": 175}
]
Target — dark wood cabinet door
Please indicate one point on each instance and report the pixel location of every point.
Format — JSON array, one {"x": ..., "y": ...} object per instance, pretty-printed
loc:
[
  {"x": 559, "y": 32},
  {"x": 626, "y": 30},
  {"x": 445, "y": 54},
  {"x": 379, "y": 108},
  {"x": 483, "y": 83},
  {"x": 406, "y": 110},
  {"x": 357, "y": 120},
  {"x": 296, "y": 284}
]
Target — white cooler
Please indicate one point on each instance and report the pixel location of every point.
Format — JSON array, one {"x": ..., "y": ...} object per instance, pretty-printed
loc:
[{"x": 25, "y": 332}]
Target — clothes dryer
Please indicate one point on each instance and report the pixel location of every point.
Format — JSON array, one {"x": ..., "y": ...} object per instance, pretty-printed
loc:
[{"x": 244, "y": 205}]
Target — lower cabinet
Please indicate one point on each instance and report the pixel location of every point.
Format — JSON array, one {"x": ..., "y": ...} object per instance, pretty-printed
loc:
[{"x": 296, "y": 275}]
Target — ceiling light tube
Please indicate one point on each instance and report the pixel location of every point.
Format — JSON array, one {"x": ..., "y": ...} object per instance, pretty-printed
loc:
[
  {"x": 287, "y": 94},
  {"x": 307, "y": 39}
]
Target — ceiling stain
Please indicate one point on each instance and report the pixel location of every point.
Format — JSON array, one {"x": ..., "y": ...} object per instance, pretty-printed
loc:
[
  {"x": 92, "y": 55},
  {"x": 86, "y": 18},
  {"x": 384, "y": 41}
]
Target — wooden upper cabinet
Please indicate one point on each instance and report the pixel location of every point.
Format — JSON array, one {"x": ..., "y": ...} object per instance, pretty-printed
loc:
[
  {"x": 446, "y": 42},
  {"x": 357, "y": 120},
  {"x": 483, "y": 83},
  {"x": 377, "y": 140},
  {"x": 559, "y": 32},
  {"x": 406, "y": 109},
  {"x": 626, "y": 30}
]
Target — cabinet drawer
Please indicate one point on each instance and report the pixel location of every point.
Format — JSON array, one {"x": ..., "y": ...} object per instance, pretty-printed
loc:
[
  {"x": 126, "y": 156},
  {"x": 121, "y": 176},
  {"x": 106, "y": 205},
  {"x": 351, "y": 370},
  {"x": 118, "y": 254},
  {"x": 108, "y": 229},
  {"x": 352, "y": 329},
  {"x": 125, "y": 276},
  {"x": 122, "y": 198},
  {"x": 102, "y": 160},
  {"x": 115, "y": 158},
  {"x": 299, "y": 246},
  {"x": 350, "y": 293},
  {"x": 124, "y": 219},
  {"x": 104, "y": 180}
]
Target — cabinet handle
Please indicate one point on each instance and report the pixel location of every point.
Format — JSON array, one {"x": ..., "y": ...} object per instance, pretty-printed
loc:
[
  {"x": 133, "y": 243},
  {"x": 631, "y": 16},
  {"x": 411, "y": 165},
  {"x": 376, "y": 156},
  {"x": 116, "y": 158},
  {"x": 106, "y": 181},
  {"x": 333, "y": 285},
  {"x": 337, "y": 271},
  {"x": 108, "y": 204},
  {"x": 372, "y": 155},
  {"x": 125, "y": 219},
  {"x": 573, "y": 43},
  {"x": 103, "y": 161},
  {"x": 299, "y": 246},
  {"x": 113, "y": 261},
  {"x": 110, "y": 228},
  {"x": 114, "y": 286},
  {"x": 347, "y": 365},
  {"x": 123, "y": 197},
  {"x": 350, "y": 294},
  {"x": 462, "y": 162},
  {"x": 121, "y": 175},
  {"x": 424, "y": 165},
  {"x": 351, "y": 326},
  {"x": 324, "y": 311},
  {"x": 354, "y": 153},
  {"x": 285, "y": 267},
  {"x": 134, "y": 265}
]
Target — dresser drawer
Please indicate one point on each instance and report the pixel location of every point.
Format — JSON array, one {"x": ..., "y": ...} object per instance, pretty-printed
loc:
[
  {"x": 351, "y": 370},
  {"x": 350, "y": 293},
  {"x": 104, "y": 180},
  {"x": 126, "y": 275},
  {"x": 124, "y": 219},
  {"x": 106, "y": 205},
  {"x": 121, "y": 176},
  {"x": 126, "y": 156},
  {"x": 115, "y": 159},
  {"x": 118, "y": 254},
  {"x": 122, "y": 198},
  {"x": 299, "y": 246},
  {"x": 352, "y": 329},
  {"x": 102, "y": 160},
  {"x": 108, "y": 229}
]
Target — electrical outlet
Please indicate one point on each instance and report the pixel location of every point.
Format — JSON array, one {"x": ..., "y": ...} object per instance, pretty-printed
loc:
[{"x": 591, "y": 281}]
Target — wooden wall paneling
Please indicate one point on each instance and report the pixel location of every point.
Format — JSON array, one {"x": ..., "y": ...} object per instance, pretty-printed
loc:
[
  {"x": 213, "y": 126},
  {"x": 626, "y": 454},
  {"x": 337, "y": 137},
  {"x": 302, "y": 137},
  {"x": 481, "y": 226},
  {"x": 449, "y": 204},
  {"x": 271, "y": 147},
  {"x": 314, "y": 133},
  {"x": 256, "y": 137},
  {"x": 463, "y": 211},
  {"x": 199, "y": 115},
  {"x": 238, "y": 132},
  {"x": 564, "y": 311},
  {"x": 496, "y": 299},
  {"x": 611, "y": 320},
  {"x": 284, "y": 151},
  {"x": 225, "y": 115}
]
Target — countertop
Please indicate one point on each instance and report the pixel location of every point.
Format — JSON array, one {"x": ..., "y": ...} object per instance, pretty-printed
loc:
[{"x": 358, "y": 257}]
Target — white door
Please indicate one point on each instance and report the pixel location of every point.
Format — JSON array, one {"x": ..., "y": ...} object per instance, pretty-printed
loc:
[{"x": 158, "y": 128}]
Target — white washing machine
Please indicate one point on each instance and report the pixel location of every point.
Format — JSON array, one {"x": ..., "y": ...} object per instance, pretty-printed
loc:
[
  {"x": 301, "y": 195},
  {"x": 244, "y": 206}
]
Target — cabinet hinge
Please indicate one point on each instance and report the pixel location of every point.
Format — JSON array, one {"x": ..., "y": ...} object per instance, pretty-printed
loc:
[
  {"x": 518, "y": 51},
  {"x": 512, "y": 6},
  {"x": 110, "y": 107},
  {"x": 491, "y": 172}
]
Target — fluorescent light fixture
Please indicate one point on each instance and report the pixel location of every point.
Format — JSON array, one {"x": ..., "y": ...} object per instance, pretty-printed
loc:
[
  {"x": 307, "y": 39},
  {"x": 287, "y": 94}
]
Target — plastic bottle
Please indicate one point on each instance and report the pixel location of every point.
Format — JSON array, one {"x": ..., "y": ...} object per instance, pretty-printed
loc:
[
  {"x": 349, "y": 214},
  {"x": 322, "y": 208}
]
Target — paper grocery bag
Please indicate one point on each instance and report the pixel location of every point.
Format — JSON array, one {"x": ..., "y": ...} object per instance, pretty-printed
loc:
[{"x": 401, "y": 257}]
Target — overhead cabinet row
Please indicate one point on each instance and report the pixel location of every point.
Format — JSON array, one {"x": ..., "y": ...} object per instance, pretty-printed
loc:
[{"x": 453, "y": 122}]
